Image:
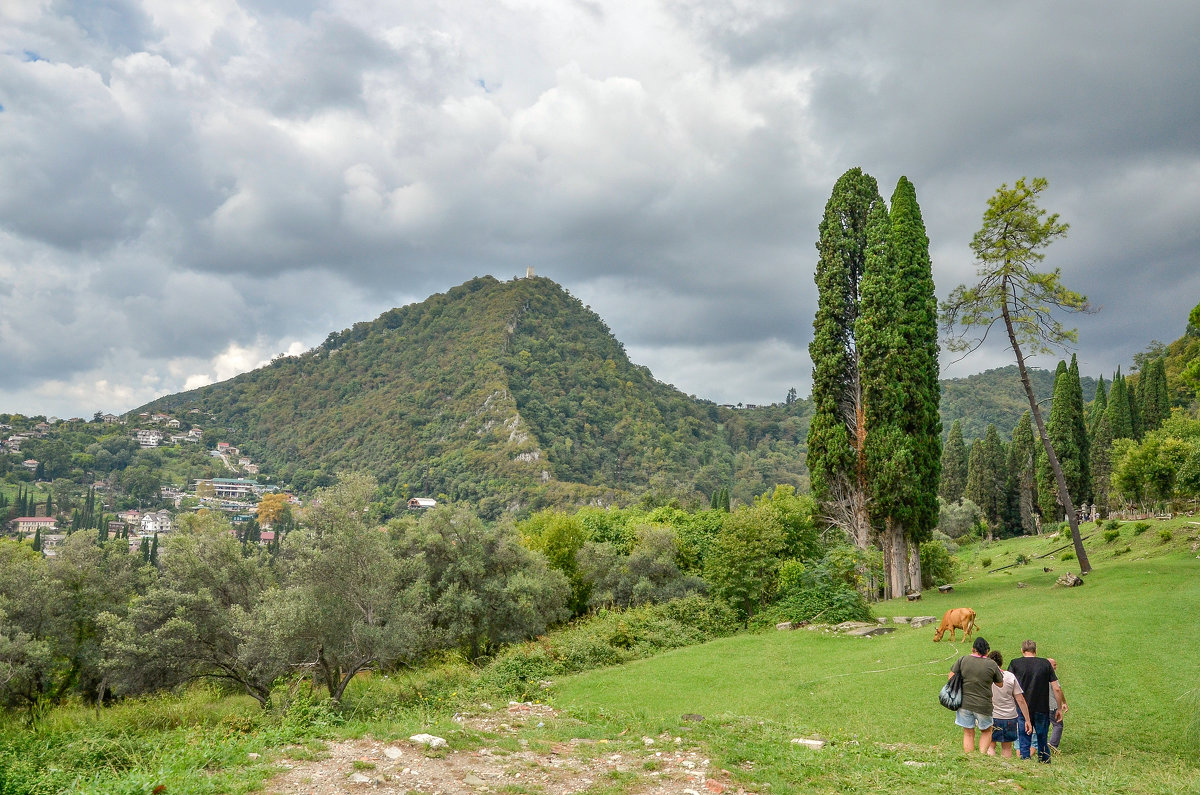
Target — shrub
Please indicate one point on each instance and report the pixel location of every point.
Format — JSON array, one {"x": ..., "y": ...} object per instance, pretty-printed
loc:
[
  {"x": 937, "y": 564},
  {"x": 1067, "y": 556},
  {"x": 1140, "y": 528},
  {"x": 985, "y": 562},
  {"x": 1022, "y": 559},
  {"x": 1112, "y": 524},
  {"x": 1165, "y": 535},
  {"x": 1111, "y": 536},
  {"x": 1122, "y": 551},
  {"x": 830, "y": 602}
]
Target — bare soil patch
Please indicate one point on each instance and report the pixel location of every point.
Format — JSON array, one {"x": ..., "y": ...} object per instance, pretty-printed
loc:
[{"x": 502, "y": 760}]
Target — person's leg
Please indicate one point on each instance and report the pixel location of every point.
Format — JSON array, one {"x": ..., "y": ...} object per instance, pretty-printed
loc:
[
  {"x": 1041, "y": 729},
  {"x": 968, "y": 740},
  {"x": 985, "y": 742},
  {"x": 1056, "y": 727},
  {"x": 1006, "y": 750},
  {"x": 1022, "y": 738}
]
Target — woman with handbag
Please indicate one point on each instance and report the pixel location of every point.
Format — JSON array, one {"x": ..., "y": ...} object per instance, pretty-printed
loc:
[{"x": 978, "y": 675}]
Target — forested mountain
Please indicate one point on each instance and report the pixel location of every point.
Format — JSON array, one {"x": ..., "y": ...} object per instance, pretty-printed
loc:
[
  {"x": 508, "y": 395},
  {"x": 996, "y": 397}
]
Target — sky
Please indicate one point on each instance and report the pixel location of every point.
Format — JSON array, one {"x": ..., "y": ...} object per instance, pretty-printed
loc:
[{"x": 189, "y": 189}]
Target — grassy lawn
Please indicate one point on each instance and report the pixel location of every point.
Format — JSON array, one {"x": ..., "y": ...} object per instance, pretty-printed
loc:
[{"x": 1126, "y": 646}]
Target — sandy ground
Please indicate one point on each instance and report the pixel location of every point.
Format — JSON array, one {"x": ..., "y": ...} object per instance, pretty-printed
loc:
[{"x": 504, "y": 763}]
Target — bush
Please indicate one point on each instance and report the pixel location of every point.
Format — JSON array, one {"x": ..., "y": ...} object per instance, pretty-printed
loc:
[
  {"x": 1111, "y": 536},
  {"x": 985, "y": 562},
  {"x": 1165, "y": 535},
  {"x": 1112, "y": 524},
  {"x": 1067, "y": 556},
  {"x": 1122, "y": 551},
  {"x": 1140, "y": 528},
  {"x": 938, "y": 566},
  {"x": 1022, "y": 559},
  {"x": 830, "y": 602}
]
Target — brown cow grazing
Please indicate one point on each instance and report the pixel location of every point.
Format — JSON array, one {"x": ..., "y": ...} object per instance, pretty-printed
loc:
[{"x": 956, "y": 618}]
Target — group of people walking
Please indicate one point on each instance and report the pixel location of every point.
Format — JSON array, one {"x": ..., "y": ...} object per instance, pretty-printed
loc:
[{"x": 1024, "y": 704}]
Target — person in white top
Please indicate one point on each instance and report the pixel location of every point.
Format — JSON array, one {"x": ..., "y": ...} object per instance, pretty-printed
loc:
[{"x": 1006, "y": 700}]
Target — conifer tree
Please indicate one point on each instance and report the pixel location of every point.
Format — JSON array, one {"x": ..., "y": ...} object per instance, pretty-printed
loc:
[
  {"x": 987, "y": 478},
  {"x": 835, "y": 437},
  {"x": 1153, "y": 400},
  {"x": 37, "y": 540},
  {"x": 1101, "y": 463},
  {"x": 1119, "y": 419},
  {"x": 954, "y": 465},
  {"x": 897, "y": 334},
  {"x": 1008, "y": 247},
  {"x": 1022, "y": 485},
  {"x": 1099, "y": 404},
  {"x": 154, "y": 549},
  {"x": 1079, "y": 428}
]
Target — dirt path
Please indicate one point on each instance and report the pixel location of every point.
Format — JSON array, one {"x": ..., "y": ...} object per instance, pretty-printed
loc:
[{"x": 505, "y": 762}]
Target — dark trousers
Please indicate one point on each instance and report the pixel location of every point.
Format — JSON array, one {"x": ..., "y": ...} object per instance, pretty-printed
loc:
[
  {"x": 1056, "y": 727},
  {"x": 1041, "y": 728}
]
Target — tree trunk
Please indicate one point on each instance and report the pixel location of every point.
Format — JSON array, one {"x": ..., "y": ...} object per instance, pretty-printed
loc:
[
  {"x": 1064, "y": 495},
  {"x": 914, "y": 566},
  {"x": 895, "y": 559}
]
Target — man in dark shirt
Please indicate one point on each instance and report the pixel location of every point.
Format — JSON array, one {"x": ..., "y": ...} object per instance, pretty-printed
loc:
[{"x": 1037, "y": 677}]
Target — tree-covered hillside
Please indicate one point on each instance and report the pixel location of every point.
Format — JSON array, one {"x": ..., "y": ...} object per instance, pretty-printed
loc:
[
  {"x": 995, "y": 397},
  {"x": 508, "y": 395}
]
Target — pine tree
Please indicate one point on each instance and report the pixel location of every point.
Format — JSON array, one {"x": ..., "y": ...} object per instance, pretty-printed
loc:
[
  {"x": 154, "y": 549},
  {"x": 835, "y": 436},
  {"x": 897, "y": 338},
  {"x": 1008, "y": 248},
  {"x": 102, "y": 535},
  {"x": 37, "y": 540},
  {"x": 954, "y": 465},
  {"x": 1063, "y": 432},
  {"x": 1153, "y": 400},
  {"x": 1119, "y": 419}
]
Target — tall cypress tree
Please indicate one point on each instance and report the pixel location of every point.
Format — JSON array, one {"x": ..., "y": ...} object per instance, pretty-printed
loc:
[
  {"x": 1066, "y": 417},
  {"x": 897, "y": 336},
  {"x": 1023, "y": 486},
  {"x": 1119, "y": 419},
  {"x": 1099, "y": 405},
  {"x": 1153, "y": 401},
  {"x": 1079, "y": 429},
  {"x": 954, "y": 465},
  {"x": 836, "y": 432},
  {"x": 987, "y": 478},
  {"x": 1101, "y": 463}
]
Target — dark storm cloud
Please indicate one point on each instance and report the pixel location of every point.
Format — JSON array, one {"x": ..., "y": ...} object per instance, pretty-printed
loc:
[{"x": 186, "y": 191}]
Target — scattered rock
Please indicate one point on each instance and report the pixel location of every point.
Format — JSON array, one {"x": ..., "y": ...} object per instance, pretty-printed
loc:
[
  {"x": 692, "y": 716},
  {"x": 472, "y": 780},
  {"x": 392, "y": 752},
  {"x": 900, "y": 619},
  {"x": 783, "y": 626},
  {"x": 1070, "y": 580},
  {"x": 870, "y": 632},
  {"x": 912, "y": 763},
  {"x": 359, "y": 778},
  {"x": 881, "y": 620},
  {"x": 921, "y": 621},
  {"x": 1022, "y": 585},
  {"x": 712, "y": 785},
  {"x": 429, "y": 740},
  {"x": 846, "y": 626},
  {"x": 647, "y": 741},
  {"x": 252, "y": 756},
  {"x": 809, "y": 742}
]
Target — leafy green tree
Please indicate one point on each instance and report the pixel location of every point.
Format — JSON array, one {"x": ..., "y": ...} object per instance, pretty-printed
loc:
[
  {"x": 486, "y": 588},
  {"x": 954, "y": 465},
  {"x": 649, "y": 574},
  {"x": 743, "y": 563},
  {"x": 898, "y": 366},
  {"x": 1008, "y": 249},
  {"x": 196, "y": 621},
  {"x": 559, "y": 537},
  {"x": 836, "y": 433},
  {"x": 349, "y": 601}
]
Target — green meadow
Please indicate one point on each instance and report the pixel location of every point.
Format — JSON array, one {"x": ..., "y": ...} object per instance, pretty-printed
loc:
[{"x": 1127, "y": 648}]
